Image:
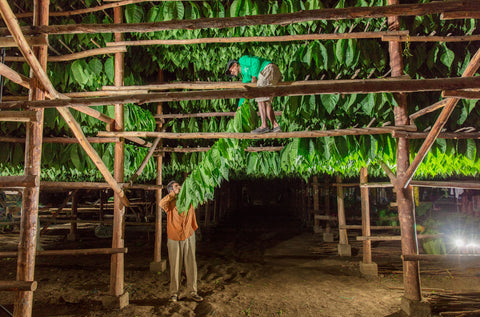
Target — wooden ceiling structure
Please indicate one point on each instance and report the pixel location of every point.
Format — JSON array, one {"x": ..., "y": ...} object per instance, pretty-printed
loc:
[{"x": 32, "y": 42}]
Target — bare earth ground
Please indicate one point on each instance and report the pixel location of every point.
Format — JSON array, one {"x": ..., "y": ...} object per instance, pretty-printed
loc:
[{"x": 246, "y": 267}]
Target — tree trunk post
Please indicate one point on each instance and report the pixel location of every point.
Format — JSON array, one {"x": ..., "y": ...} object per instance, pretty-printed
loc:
[
  {"x": 327, "y": 234},
  {"x": 118, "y": 297},
  {"x": 73, "y": 234},
  {"x": 367, "y": 267},
  {"x": 344, "y": 249},
  {"x": 317, "y": 228},
  {"x": 27, "y": 245},
  {"x": 406, "y": 209}
]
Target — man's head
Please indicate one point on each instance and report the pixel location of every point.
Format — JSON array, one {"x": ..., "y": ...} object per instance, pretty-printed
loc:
[
  {"x": 233, "y": 68},
  {"x": 173, "y": 186}
]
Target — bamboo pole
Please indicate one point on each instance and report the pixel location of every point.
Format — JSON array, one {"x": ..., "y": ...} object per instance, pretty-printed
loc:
[
  {"x": 15, "y": 77},
  {"x": 342, "y": 232},
  {"x": 282, "y": 38},
  {"x": 277, "y": 19},
  {"x": 10, "y": 254},
  {"x": 17, "y": 286},
  {"x": 117, "y": 260},
  {"x": 27, "y": 245},
  {"x": 367, "y": 246},
  {"x": 470, "y": 70},
  {"x": 325, "y": 87},
  {"x": 250, "y": 136},
  {"x": 406, "y": 214},
  {"x": 77, "y": 55},
  {"x": 429, "y": 38}
]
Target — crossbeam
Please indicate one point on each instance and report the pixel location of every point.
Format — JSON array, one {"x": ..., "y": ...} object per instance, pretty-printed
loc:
[
  {"x": 435, "y": 7},
  {"x": 320, "y": 87}
]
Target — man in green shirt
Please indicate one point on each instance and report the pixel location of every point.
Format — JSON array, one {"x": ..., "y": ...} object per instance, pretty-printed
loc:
[{"x": 265, "y": 73}]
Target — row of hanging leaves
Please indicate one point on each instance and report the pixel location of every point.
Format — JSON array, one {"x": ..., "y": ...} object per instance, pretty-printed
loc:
[{"x": 327, "y": 59}]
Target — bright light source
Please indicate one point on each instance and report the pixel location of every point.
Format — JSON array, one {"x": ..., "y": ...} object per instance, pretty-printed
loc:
[
  {"x": 472, "y": 245},
  {"x": 459, "y": 243}
]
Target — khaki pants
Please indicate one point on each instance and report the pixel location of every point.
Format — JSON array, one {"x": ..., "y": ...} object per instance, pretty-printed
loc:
[
  {"x": 269, "y": 76},
  {"x": 180, "y": 252}
]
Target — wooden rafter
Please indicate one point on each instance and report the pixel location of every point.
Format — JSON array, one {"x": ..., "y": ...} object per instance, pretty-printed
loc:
[
  {"x": 464, "y": 94},
  {"x": 14, "y": 76},
  {"x": 37, "y": 40},
  {"x": 14, "y": 28},
  {"x": 435, "y": 7},
  {"x": 75, "y": 56},
  {"x": 250, "y": 136},
  {"x": 248, "y": 39},
  {"x": 320, "y": 87},
  {"x": 430, "y": 38},
  {"x": 470, "y": 70}
]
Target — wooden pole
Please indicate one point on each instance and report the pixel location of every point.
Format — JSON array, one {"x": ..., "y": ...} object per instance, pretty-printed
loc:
[
  {"x": 342, "y": 233},
  {"x": 27, "y": 245},
  {"x": 117, "y": 260},
  {"x": 275, "y": 19},
  {"x": 430, "y": 38},
  {"x": 464, "y": 94},
  {"x": 157, "y": 252},
  {"x": 74, "y": 214},
  {"x": 75, "y": 56},
  {"x": 367, "y": 245},
  {"x": 19, "y": 181},
  {"x": 316, "y": 204},
  {"x": 17, "y": 286},
  {"x": 145, "y": 161},
  {"x": 305, "y": 88},
  {"x": 470, "y": 70},
  {"x": 406, "y": 212},
  {"x": 14, "y": 76},
  {"x": 10, "y": 254}
]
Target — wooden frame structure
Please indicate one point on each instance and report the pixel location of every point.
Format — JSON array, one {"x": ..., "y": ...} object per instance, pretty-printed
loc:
[{"x": 40, "y": 87}]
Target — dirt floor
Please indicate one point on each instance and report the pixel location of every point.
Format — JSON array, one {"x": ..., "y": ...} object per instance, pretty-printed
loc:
[{"x": 257, "y": 263}]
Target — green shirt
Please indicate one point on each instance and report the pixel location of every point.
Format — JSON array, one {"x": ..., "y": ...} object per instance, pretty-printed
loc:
[{"x": 251, "y": 66}]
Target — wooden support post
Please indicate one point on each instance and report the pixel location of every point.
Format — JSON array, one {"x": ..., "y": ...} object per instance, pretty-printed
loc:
[
  {"x": 367, "y": 267},
  {"x": 119, "y": 297},
  {"x": 317, "y": 228},
  {"x": 158, "y": 265},
  {"x": 328, "y": 234},
  {"x": 344, "y": 249},
  {"x": 72, "y": 236},
  {"x": 33, "y": 153},
  {"x": 406, "y": 214}
]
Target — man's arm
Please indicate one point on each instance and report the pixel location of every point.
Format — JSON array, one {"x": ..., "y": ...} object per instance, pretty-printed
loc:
[{"x": 166, "y": 201}]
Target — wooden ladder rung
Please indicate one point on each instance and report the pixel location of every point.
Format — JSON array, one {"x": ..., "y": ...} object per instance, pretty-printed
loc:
[
  {"x": 20, "y": 116},
  {"x": 18, "y": 285},
  {"x": 19, "y": 181}
]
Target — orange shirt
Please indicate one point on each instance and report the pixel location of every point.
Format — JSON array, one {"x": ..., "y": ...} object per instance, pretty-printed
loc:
[{"x": 179, "y": 226}]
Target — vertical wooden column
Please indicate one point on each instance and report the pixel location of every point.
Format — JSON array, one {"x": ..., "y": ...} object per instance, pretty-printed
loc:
[
  {"x": 406, "y": 210},
  {"x": 33, "y": 154},
  {"x": 316, "y": 205},
  {"x": 158, "y": 265},
  {"x": 72, "y": 236},
  {"x": 120, "y": 299},
  {"x": 367, "y": 267},
  {"x": 344, "y": 249}
]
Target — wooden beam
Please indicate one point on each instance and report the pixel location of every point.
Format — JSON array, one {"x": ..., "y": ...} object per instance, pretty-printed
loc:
[
  {"x": 16, "y": 286},
  {"x": 435, "y": 106},
  {"x": 18, "y": 181},
  {"x": 75, "y": 56},
  {"x": 201, "y": 115},
  {"x": 396, "y": 238},
  {"x": 359, "y": 227},
  {"x": 250, "y": 136},
  {"x": 10, "y": 254},
  {"x": 470, "y": 70},
  {"x": 442, "y": 135},
  {"x": 96, "y": 114},
  {"x": 460, "y": 15},
  {"x": 282, "y": 38},
  {"x": 36, "y": 40},
  {"x": 430, "y": 38},
  {"x": 206, "y": 148},
  {"x": 464, "y": 94},
  {"x": 91, "y": 185},
  {"x": 388, "y": 171},
  {"x": 64, "y": 140},
  {"x": 439, "y": 257},
  {"x": 435, "y": 7},
  {"x": 19, "y": 116},
  {"x": 139, "y": 171},
  {"x": 17, "y": 78},
  {"x": 322, "y": 87}
]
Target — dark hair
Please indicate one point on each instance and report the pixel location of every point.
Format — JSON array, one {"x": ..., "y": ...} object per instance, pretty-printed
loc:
[
  {"x": 229, "y": 64},
  {"x": 170, "y": 185}
]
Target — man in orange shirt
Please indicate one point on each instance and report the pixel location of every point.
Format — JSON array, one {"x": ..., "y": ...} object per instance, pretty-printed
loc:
[{"x": 181, "y": 243}]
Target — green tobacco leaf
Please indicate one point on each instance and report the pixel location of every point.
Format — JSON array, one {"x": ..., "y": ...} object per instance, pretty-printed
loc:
[
  {"x": 80, "y": 72},
  {"x": 133, "y": 13},
  {"x": 329, "y": 101},
  {"x": 447, "y": 57},
  {"x": 110, "y": 69}
]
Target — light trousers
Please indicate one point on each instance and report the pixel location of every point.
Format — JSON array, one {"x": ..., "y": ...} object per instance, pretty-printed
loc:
[{"x": 180, "y": 253}]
